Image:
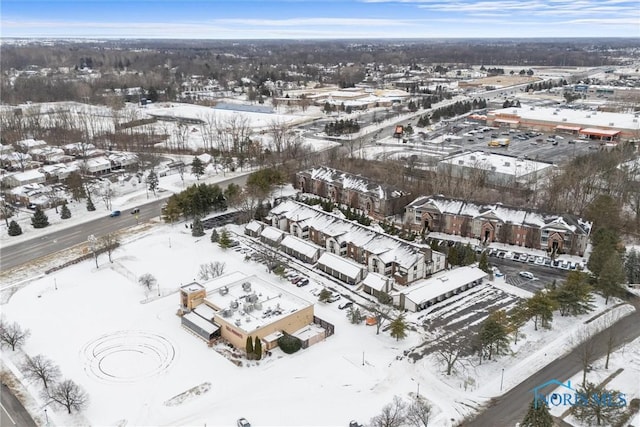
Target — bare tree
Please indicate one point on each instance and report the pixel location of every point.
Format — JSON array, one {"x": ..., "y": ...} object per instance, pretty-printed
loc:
[
  {"x": 109, "y": 242},
  {"x": 106, "y": 193},
  {"x": 69, "y": 395},
  {"x": 211, "y": 270},
  {"x": 392, "y": 415},
  {"x": 419, "y": 412},
  {"x": 586, "y": 350},
  {"x": 612, "y": 337},
  {"x": 381, "y": 314},
  {"x": 451, "y": 350},
  {"x": 147, "y": 280},
  {"x": 12, "y": 335},
  {"x": 40, "y": 368}
]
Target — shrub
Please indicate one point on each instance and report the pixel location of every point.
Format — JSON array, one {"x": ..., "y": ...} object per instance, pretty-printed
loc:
[{"x": 289, "y": 344}]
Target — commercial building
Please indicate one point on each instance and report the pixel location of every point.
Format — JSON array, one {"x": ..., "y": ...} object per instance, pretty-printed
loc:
[
  {"x": 494, "y": 169},
  {"x": 236, "y": 306},
  {"x": 554, "y": 233},
  {"x": 592, "y": 125}
]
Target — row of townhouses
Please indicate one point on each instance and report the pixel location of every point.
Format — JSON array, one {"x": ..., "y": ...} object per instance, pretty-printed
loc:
[
  {"x": 345, "y": 249},
  {"x": 554, "y": 233}
]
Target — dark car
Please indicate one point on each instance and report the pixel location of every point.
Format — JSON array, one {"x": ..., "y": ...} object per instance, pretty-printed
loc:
[
  {"x": 345, "y": 305},
  {"x": 303, "y": 282},
  {"x": 32, "y": 206},
  {"x": 115, "y": 213}
]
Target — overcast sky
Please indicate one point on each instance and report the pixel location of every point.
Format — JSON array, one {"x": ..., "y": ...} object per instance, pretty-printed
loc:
[{"x": 313, "y": 19}]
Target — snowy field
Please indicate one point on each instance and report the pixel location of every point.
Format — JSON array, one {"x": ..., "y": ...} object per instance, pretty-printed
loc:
[
  {"x": 126, "y": 347},
  {"x": 624, "y": 375}
]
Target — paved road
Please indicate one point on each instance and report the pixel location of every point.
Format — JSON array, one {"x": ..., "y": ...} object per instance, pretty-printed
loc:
[
  {"x": 510, "y": 408},
  {"x": 12, "y": 413},
  {"x": 55, "y": 241}
]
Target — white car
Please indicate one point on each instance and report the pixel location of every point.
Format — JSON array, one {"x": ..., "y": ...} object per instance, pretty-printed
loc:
[
  {"x": 242, "y": 422},
  {"x": 539, "y": 260},
  {"x": 526, "y": 275}
]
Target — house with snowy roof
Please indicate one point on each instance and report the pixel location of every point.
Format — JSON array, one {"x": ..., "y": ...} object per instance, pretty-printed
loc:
[
  {"x": 363, "y": 247},
  {"x": 554, "y": 233},
  {"x": 376, "y": 199}
]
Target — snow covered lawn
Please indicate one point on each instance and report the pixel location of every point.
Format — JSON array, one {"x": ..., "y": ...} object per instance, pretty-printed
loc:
[{"x": 140, "y": 367}]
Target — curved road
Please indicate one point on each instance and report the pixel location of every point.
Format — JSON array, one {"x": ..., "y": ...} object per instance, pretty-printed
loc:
[
  {"x": 21, "y": 253},
  {"x": 12, "y": 413},
  {"x": 510, "y": 408}
]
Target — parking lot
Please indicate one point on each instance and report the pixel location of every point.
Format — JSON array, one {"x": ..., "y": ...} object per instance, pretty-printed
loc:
[{"x": 524, "y": 143}]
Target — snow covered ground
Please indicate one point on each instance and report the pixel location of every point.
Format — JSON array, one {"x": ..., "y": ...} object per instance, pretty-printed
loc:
[
  {"x": 128, "y": 350},
  {"x": 626, "y": 359}
]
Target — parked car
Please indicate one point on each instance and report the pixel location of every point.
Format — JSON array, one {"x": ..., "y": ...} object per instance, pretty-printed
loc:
[
  {"x": 526, "y": 275},
  {"x": 523, "y": 258},
  {"x": 345, "y": 305},
  {"x": 115, "y": 213},
  {"x": 334, "y": 298},
  {"x": 501, "y": 254},
  {"x": 508, "y": 255},
  {"x": 135, "y": 211},
  {"x": 242, "y": 422},
  {"x": 303, "y": 282},
  {"x": 32, "y": 206},
  {"x": 539, "y": 260}
]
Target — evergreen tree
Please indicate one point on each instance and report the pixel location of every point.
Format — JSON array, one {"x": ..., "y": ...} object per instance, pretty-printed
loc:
[
  {"x": 605, "y": 242},
  {"x": 494, "y": 333},
  {"x": 249, "y": 348},
  {"x": 632, "y": 266},
  {"x": 214, "y": 236},
  {"x": 257, "y": 349},
  {"x": 197, "y": 230},
  {"x": 14, "y": 229},
  {"x": 452, "y": 256},
  {"x": 152, "y": 181},
  {"x": 611, "y": 278},
  {"x": 324, "y": 295},
  {"x": 39, "y": 219},
  {"x": 197, "y": 168},
  {"x": 224, "y": 241},
  {"x": 604, "y": 406},
  {"x": 574, "y": 296},
  {"x": 398, "y": 327},
  {"x": 354, "y": 315},
  {"x": 540, "y": 308},
  {"x": 483, "y": 264},
  {"x": 538, "y": 415},
  {"x": 65, "y": 213},
  {"x": 90, "y": 205}
]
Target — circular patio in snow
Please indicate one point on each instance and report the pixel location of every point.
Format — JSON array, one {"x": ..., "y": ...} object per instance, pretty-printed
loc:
[{"x": 128, "y": 356}]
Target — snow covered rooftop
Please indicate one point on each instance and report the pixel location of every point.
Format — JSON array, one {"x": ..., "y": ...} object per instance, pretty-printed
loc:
[
  {"x": 303, "y": 247},
  {"x": 570, "y": 116},
  {"x": 272, "y": 233},
  {"x": 345, "y": 266},
  {"x": 388, "y": 248},
  {"x": 376, "y": 281},
  {"x": 201, "y": 323},
  {"x": 428, "y": 289},
  {"x": 254, "y": 226},
  {"x": 507, "y": 165},
  {"x": 353, "y": 182},
  {"x": 250, "y": 301},
  {"x": 501, "y": 212}
]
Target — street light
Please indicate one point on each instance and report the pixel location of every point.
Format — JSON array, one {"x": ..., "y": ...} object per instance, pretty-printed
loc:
[
  {"x": 418, "y": 392},
  {"x": 501, "y": 379},
  {"x": 46, "y": 416}
]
